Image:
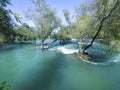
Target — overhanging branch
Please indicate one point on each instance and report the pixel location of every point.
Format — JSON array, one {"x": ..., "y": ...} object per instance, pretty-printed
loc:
[{"x": 100, "y": 26}]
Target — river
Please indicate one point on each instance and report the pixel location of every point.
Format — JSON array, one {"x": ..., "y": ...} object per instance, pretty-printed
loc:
[{"x": 24, "y": 67}]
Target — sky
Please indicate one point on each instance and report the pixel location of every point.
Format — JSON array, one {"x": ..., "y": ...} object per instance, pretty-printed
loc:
[{"x": 21, "y": 6}]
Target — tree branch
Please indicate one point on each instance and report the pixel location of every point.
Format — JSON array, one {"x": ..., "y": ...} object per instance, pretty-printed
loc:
[{"x": 100, "y": 27}]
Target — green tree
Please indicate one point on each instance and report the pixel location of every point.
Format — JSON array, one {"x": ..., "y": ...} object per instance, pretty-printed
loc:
[
  {"x": 62, "y": 35},
  {"x": 82, "y": 29},
  {"x": 83, "y": 9},
  {"x": 5, "y": 20},
  {"x": 24, "y": 32},
  {"x": 103, "y": 10},
  {"x": 83, "y": 26},
  {"x": 67, "y": 17},
  {"x": 17, "y": 17},
  {"x": 4, "y": 3},
  {"x": 45, "y": 20}
]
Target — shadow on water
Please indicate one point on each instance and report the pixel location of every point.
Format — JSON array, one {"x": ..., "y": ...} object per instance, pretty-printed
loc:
[
  {"x": 98, "y": 58},
  {"x": 9, "y": 47},
  {"x": 41, "y": 79}
]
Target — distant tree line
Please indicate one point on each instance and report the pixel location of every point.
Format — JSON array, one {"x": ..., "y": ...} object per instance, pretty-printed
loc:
[
  {"x": 93, "y": 19},
  {"x": 9, "y": 30}
]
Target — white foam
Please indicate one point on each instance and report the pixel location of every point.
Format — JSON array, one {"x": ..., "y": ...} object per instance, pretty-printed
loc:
[
  {"x": 96, "y": 63},
  {"x": 67, "y": 51},
  {"x": 103, "y": 63},
  {"x": 115, "y": 61},
  {"x": 64, "y": 50}
]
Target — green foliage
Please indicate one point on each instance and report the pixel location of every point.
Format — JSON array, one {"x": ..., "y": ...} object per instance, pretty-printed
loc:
[
  {"x": 44, "y": 18},
  {"x": 82, "y": 28},
  {"x": 67, "y": 16},
  {"x": 100, "y": 9},
  {"x": 4, "y": 3},
  {"x": 103, "y": 11},
  {"x": 17, "y": 17},
  {"x": 2, "y": 38},
  {"x": 62, "y": 35},
  {"x": 5, "y": 22},
  {"x": 115, "y": 45},
  {"x": 111, "y": 29},
  {"x": 83, "y": 9},
  {"x": 6, "y": 27},
  {"x": 111, "y": 26},
  {"x": 24, "y": 33}
]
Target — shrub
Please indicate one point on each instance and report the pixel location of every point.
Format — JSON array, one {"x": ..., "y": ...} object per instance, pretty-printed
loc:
[{"x": 2, "y": 38}]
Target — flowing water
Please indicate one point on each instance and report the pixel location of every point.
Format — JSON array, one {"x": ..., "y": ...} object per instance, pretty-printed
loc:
[{"x": 24, "y": 67}]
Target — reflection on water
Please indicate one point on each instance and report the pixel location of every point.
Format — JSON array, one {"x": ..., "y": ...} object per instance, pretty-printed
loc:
[{"x": 24, "y": 67}]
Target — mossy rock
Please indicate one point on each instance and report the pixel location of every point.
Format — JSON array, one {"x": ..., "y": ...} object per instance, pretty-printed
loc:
[{"x": 82, "y": 56}]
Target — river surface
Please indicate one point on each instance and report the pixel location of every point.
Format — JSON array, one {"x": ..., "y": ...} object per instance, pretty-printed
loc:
[{"x": 25, "y": 67}]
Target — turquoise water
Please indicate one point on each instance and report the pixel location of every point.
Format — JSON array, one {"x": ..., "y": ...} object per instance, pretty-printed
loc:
[{"x": 25, "y": 67}]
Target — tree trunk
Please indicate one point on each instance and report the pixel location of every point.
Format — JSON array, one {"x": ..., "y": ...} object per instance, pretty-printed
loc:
[
  {"x": 42, "y": 45},
  {"x": 80, "y": 46},
  {"x": 100, "y": 27}
]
